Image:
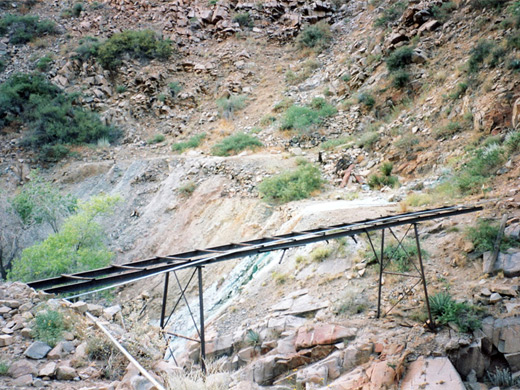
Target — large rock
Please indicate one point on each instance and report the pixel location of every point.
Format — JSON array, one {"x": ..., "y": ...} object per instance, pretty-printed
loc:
[
  {"x": 382, "y": 375},
  {"x": 432, "y": 374},
  {"x": 471, "y": 358},
  {"x": 219, "y": 346},
  {"x": 37, "y": 350},
  {"x": 503, "y": 333},
  {"x": 322, "y": 334},
  {"x": 6, "y": 340},
  {"x": 22, "y": 367},
  {"x": 47, "y": 370},
  {"x": 65, "y": 373},
  {"x": 509, "y": 263}
]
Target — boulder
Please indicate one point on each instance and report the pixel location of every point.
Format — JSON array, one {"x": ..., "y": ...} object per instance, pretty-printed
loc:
[
  {"x": 23, "y": 381},
  {"x": 65, "y": 373},
  {"x": 381, "y": 375},
  {"x": 503, "y": 333},
  {"x": 471, "y": 358},
  {"x": 37, "y": 350},
  {"x": 6, "y": 340},
  {"x": 47, "y": 370},
  {"x": 509, "y": 263},
  {"x": 432, "y": 374},
  {"x": 322, "y": 334},
  {"x": 219, "y": 346},
  {"x": 22, "y": 367}
]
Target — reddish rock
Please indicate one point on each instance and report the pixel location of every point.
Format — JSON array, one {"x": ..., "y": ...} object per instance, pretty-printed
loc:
[
  {"x": 322, "y": 334},
  {"x": 22, "y": 367},
  {"x": 432, "y": 374},
  {"x": 381, "y": 375}
]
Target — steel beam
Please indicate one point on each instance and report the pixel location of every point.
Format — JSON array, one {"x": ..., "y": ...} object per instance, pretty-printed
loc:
[
  {"x": 202, "y": 333},
  {"x": 164, "y": 299}
]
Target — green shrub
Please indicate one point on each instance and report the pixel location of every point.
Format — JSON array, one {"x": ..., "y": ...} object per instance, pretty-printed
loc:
[
  {"x": 88, "y": 48},
  {"x": 333, "y": 143},
  {"x": 25, "y": 28},
  {"x": 497, "y": 56},
  {"x": 235, "y": 143},
  {"x": 51, "y": 114},
  {"x": 99, "y": 348},
  {"x": 368, "y": 140},
  {"x": 484, "y": 235},
  {"x": 3, "y": 64},
  {"x": 442, "y": 12},
  {"x": 321, "y": 253},
  {"x": 459, "y": 91},
  {"x": 4, "y": 368},
  {"x": 513, "y": 64},
  {"x": 512, "y": 142},
  {"x": 175, "y": 88},
  {"x": 53, "y": 153},
  {"x": 137, "y": 44},
  {"x": 478, "y": 54},
  {"x": 187, "y": 189},
  {"x": 391, "y": 14},
  {"x": 291, "y": 185},
  {"x": 481, "y": 4},
  {"x": 302, "y": 118},
  {"x": 228, "y": 106},
  {"x": 400, "y": 79},
  {"x": 244, "y": 20},
  {"x": 446, "y": 310},
  {"x": 193, "y": 142},
  {"x": 475, "y": 172},
  {"x": 49, "y": 327},
  {"x": 44, "y": 63},
  {"x": 407, "y": 142},
  {"x": 253, "y": 338},
  {"x": 401, "y": 255},
  {"x": 503, "y": 378},
  {"x": 161, "y": 97},
  {"x": 449, "y": 130},
  {"x": 385, "y": 179},
  {"x": 513, "y": 41},
  {"x": 399, "y": 59},
  {"x": 77, "y": 9},
  {"x": 278, "y": 277},
  {"x": 157, "y": 138},
  {"x": 346, "y": 77},
  {"x": 317, "y": 37},
  {"x": 366, "y": 99},
  {"x": 121, "y": 88}
]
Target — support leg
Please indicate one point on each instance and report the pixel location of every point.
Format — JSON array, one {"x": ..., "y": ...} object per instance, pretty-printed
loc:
[
  {"x": 164, "y": 298},
  {"x": 202, "y": 335},
  {"x": 381, "y": 267},
  {"x": 431, "y": 324}
]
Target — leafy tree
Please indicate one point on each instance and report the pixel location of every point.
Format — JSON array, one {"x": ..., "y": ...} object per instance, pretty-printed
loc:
[
  {"x": 78, "y": 246},
  {"x": 40, "y": 202}
]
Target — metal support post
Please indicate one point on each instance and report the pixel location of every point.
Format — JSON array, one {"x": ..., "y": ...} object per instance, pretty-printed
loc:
[
  {"x": 202, "y": 335},
  {"x": 381, "y": 266},
  {"x": 164, "y": 298},
  {"x": 431, "y": 324}
]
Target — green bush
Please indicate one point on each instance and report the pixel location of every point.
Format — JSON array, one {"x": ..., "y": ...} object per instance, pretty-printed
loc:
[
  {"x": 484, "y": 235},
  {"x": 88, "y": 48},
  {"x": 368, "y": 140},
  {"x": 25, "y": 28},
  {"x": 48, "y": 327},
  {"x": 228, "y": 106},
  {"x": 399, "y": 59},
  {"x": 244, "y": 20},
  {"x": 385, "y": 179},
  {"x": 513, "y": 64},
  {"x": 193, "y": 142},
  {"x": 446, "y": 310},
  {"x": 175, "y": 88},
  {"x": 187, "y": 189},
  {"x": 497, "y": 56},
  {"x": 44, "y": 63},
  {"x": 51, "y": 114},
  {"x": 317, "y": 37},
  {"x": 391, "y": 14},
  {"x": 475, "y": 172},
  {"x": 400, "y": 79},
  {"x": 3, "y": 64},
  {"x": 459, "y": 91},
  {"x": 302, "y": 118},
  {"x": 448, "y": 130},
  {"x": 121, "y": 88},
  {"x": 442, "y": 12},
  {"x": 366, "y": 99},
  {"x": 481, "y": 4},
  {"x": 137, "y": 44},
  {"x": 253, "y": 338},
  {"x": 333, "y": 143},
  {"x": 4, "y": 368},
  {"x": 512, "y": 142},
  {"x": 407, "y": 142},
  {"x": 157, "y": 138},
  {"x": 321, "y": 253},
  {"x": 513, "y": 41},
  {"x": 291, "y": 185},
  {"x": 77, "y": 9},
  {"x": 401, "y": 255},
  {"x": 502, "y": 377},
  {"x": 478, "y": 54},
  {"x": 235, "y": 143}
]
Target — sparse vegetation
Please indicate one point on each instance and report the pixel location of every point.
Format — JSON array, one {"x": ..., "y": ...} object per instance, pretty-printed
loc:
[
  {"x": 502, "y": 377},
  {"x": 121, "y": 88},
  {"x": 366, "y": 99},
  {"x": 478, "y": 54},
  {"x": 442, "y": 13},
  {"x": 157, "y": 138},
  {"x": 4, "y": 368},
  {"x": 278, "y": 277},
  {"x": 489, "y": 4},
  {"x": 407, "y": 142},
  {"x": 244, "y": 20},
  {"x": 253, "y": 338},
  {"x": 459, "y": 91},
  {"x": 193, "y": 142},
  {"x": 137, "y": 44},
  {"x": 187, "y": 189},
  {"x": 52, "y": 115},
  {"x": 368, "y": 140},
  {"x": 350, "y": 304},
  {"x": 334, "y": 143},
  {"x": 235, "y": 144},
  {"x": 449, "y": 130},
  {"x": 175, "y": 88},
  {"x": 228, "y": 106},
  {"x": 399, "y": 59},
  {"x": 446, "y": 310},
  {"x": 391, "y": 14},
  {"x": 512, "y": 142},
  {"x": 401, "y": 255},
  {"x": 484, "y": 235},
  {"x": 317, "y": 37},
  {"x": 48, "y": 327},
  {"x": 291, "y": 185},
  {"x": 321, "y": 253},
  {"x": 44, "y": 63},
  {"x": 25, "y": 28},
  {"x": 385, "y": 179},
  {"x": 302, "y": 118},
  {"x": 88, "y": 48},
  {"x": 400, "y": 79}
]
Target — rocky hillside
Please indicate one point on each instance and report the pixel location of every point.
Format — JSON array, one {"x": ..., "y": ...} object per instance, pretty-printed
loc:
[{"x": 393, "y": 105}]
